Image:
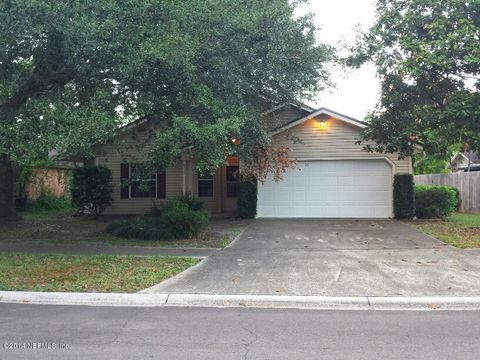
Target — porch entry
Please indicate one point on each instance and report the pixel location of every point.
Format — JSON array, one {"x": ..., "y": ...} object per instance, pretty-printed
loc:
[
  {"x": 229, "y": 181},
  {"x": 219, "y": 192}
]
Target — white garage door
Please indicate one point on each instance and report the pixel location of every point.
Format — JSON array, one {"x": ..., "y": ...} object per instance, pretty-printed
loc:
[{"x": 337, "y": 189}]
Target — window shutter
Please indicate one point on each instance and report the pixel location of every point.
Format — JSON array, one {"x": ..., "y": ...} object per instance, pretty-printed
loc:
[
  {"x": 124, "y": 177},
  {"x": 161, "y": 185}
]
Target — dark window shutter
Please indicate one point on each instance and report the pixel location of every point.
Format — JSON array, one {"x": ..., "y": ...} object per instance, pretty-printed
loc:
[
  {"x": 161, "y": 185},
  {"x": 124, "y": 177}
]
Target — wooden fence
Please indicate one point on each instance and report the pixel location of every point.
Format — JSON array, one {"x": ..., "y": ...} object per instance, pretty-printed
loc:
[
  {"x": 50, "y": 181},
  {"x": 468, "y": 184}
]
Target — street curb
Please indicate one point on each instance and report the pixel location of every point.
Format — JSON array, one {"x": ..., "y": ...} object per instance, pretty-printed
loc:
[
  {"x": 88, "y": 299},
  {"x": 430, "y": 303},
  {"x": 269, "y": 301}
]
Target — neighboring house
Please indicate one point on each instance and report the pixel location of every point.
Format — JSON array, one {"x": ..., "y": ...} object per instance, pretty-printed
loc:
[
  {"x": 465, "y": 161},
  {"x": 334, "y": 176}
]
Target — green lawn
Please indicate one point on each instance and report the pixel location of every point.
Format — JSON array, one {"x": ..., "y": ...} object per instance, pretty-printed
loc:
[
  {"x": 459, "y": 230},
  {"x": 99, "y": 273},
  {"x": 60, "y": 227}
]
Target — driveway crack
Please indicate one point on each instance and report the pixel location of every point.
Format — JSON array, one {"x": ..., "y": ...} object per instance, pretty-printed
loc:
[
  {"x": 247, "y": 345},
  {"x": 120, "y": 330},
  {"x": 337, "y": 278}
]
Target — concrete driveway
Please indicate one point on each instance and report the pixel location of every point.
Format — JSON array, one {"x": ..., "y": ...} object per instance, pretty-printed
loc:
[{"x": 332, "y": 258}]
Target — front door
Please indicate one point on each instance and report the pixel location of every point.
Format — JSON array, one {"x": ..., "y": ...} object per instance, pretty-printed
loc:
[{"x": 230, "y": 186}]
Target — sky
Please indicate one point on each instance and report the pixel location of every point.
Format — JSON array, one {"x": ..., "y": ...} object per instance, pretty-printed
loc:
[{"x": 357, "y": 91}]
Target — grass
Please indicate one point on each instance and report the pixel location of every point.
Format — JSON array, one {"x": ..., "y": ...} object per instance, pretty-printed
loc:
[
  {"x": 61, "y": 227},
  {"x": 98, "y": 273},
  {"x": 459, "y": 230}
]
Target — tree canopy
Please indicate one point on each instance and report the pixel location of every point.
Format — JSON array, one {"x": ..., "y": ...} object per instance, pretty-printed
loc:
[
  {"x": 427, "y": 54},
  {"x": 72, "y": 71}
]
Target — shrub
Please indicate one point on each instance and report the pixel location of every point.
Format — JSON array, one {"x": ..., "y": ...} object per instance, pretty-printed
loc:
[
  {"x": 247, "y": 199},
  {"x": 139, "y": 227},
  {"x": 457, "y": 194},
  {"x": 181, "y": 221},
  {"x": 435, "y": 201},
  {"x": 189, "y": 200},
  {"x": 403, "y": 196},
  {"x": 48, "y": 202},
  {"x": 92, "y": 188},
  {"x": 174, "y": 220},
  {"x": 192, "y": 202}
]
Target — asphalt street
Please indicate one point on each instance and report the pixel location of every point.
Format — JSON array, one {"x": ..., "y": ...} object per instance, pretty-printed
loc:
[{"x": 76, "y": 332}]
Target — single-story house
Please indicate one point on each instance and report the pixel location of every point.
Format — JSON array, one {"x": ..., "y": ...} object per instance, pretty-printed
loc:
[
  {"x": 465, "y": 161},
  {"x": 334, "y": 176}
]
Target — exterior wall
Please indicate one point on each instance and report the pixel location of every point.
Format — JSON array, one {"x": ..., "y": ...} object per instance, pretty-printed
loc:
[
  {"x": 337, "y": 141},
  {"x": 132, "y": 147},
  {"x": 308, "y": 142},
  {"x": 216, "y": 204},
  {"x": 212, "y": 204}
]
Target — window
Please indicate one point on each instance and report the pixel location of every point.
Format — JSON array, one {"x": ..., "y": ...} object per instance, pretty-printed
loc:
[
  {"x": 232, "y": 181},
  {"x": 134, "y": 184},
  {"x": 205, "y": 186},
  {"x": 142, "y": 186}
]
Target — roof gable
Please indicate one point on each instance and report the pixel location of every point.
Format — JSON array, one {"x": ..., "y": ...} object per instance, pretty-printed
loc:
[
  {"x": 315, "y": 113},
  {"x": 473, "y": 158}
]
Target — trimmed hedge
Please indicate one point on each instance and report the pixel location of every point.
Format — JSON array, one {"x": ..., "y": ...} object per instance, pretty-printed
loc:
[
  {"x": 174, "y": 220},
  {"x": 435, "y": 201},
  {"x": 91, "y": 188},
  {"x": 403, "y": 196},
  {"x": 247, "y": 199}
]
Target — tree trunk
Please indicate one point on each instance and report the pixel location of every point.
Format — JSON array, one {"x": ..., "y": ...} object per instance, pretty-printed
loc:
[{"x": 7, "y": 185}]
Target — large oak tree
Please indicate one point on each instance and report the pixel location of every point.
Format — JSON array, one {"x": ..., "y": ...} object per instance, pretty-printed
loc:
[{"x": 72, "y": 71}]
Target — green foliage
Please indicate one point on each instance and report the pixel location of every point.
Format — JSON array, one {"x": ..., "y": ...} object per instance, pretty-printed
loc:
[
  {"x": 174, "y": 220},
  {"x": 429, "y": 164},
  {"x": 25, "y": 171},
  {"x": 435, "y": 201},
  {"x": 191, "y": 201},
  {"x": 48, "y": 202},
  {"x": 92, "y": 188},
  {"x": 427, "y": 54},
  {"x": 247, "y": 199},
  {"x": 86, "y": 273},
  {"x": 181, "y": 221},
  {"x": 403, "y": 196},
  {"x": 139, "y": 227},
  {"x": 198, "y": 67}
]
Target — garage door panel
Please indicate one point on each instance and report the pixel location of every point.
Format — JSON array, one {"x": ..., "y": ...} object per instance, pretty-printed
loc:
[{"x": 351, "y": 188}]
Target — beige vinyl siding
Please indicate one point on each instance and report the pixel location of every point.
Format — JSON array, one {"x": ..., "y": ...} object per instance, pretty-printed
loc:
[
  {"x": 337, "y": 141},
  {"x": 131, "y": 148}
]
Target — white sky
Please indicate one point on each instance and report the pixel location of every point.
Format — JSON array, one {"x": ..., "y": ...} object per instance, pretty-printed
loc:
[{"x": 357, "y": 91}]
